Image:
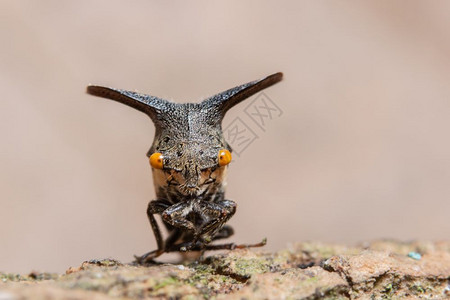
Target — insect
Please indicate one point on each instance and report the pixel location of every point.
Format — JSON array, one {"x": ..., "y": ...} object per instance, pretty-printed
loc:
[{"x": 189, "y": 159}]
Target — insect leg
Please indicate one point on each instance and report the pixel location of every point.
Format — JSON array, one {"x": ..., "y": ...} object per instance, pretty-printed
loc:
[
  {"x": 176, "y": 214},
  {"x": 219, "y": 213},
  {"x": 232, "y": 246},
  {"x": 154, "y": 207},
  {"x": 215, "y": 214},
  {"x": 199, "y": 246},
  {"x": 173, "y": 238}
]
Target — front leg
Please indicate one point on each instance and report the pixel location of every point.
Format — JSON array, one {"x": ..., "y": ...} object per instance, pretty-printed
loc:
[
  {"x": 220, "y": 211},
  {"x": 154, "y": 207},
  {"x": 216, "y": 214},
  {"x": 212, "y": 216},
  {"x": 176, "y": 215}
]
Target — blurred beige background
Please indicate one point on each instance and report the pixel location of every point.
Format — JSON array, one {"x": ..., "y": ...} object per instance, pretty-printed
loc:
[{"x": 362, "y": 150}]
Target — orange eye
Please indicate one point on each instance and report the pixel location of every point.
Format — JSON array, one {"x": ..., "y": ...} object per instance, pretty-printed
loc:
[
  {"x": 224, "y": 157},
  {"x": 156, "y": 160}
]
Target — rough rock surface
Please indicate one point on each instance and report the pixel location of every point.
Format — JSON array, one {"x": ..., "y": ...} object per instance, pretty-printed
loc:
[{"x": 379, "y": 270}]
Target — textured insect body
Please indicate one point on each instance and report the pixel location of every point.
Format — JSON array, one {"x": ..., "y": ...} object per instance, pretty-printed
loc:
[{"x": 189, "y": 158}]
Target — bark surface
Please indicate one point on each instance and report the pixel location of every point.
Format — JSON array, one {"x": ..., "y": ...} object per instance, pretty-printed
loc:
[{"x": 377, "y": 270}]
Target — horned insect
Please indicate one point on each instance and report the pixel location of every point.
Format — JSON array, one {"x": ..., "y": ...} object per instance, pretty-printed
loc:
[{"x": 189, "y": 159}]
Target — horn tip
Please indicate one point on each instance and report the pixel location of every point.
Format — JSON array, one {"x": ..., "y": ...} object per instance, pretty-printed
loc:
[{"x": 277, "y": 76}]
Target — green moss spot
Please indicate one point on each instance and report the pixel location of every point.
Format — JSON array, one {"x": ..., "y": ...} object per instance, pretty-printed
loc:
[
  {"x": 418, "y": 288},
  {"x": 165, "y": 282},
  {"x": 251, "y": 266},
  {"x": 312, "y": 280}
]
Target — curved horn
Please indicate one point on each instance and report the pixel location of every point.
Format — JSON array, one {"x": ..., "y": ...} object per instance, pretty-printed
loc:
[
  {"x": 150, "y": 105},
  {"x": 229, "y": 98}
]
